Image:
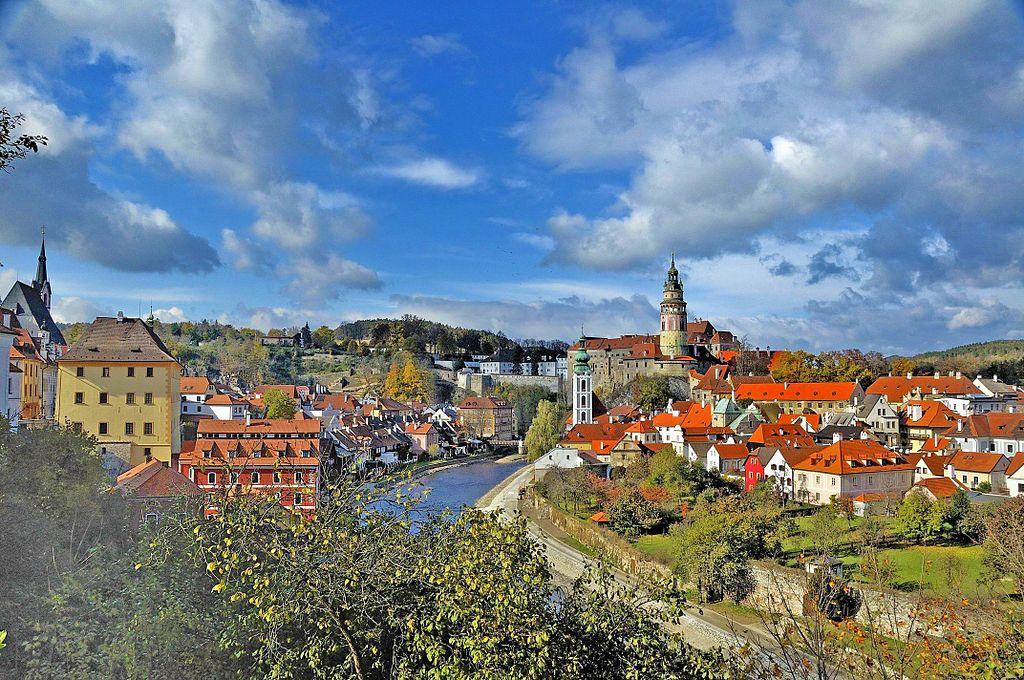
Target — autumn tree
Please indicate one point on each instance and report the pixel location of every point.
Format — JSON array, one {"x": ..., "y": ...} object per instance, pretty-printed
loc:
[
  {"x": 323, "y": 338},
  {"x": 1004, "y": 541}
]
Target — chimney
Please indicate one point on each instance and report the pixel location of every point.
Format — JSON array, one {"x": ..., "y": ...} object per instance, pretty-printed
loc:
[
  {"x": 937, "y": 375},
  {"x": 959, "y": 375},
  {"x": 716, "y": 372},
  {"x": 935, "y": 390},
  {"x": 995, "y": 377},
  {"x": 248, "y": 419},
  {"x": 120, "y": 317},
  {"x": 960, "y": 425},
  {"x": 837, "y": 437},
  {"x": 910, "y": 376}
]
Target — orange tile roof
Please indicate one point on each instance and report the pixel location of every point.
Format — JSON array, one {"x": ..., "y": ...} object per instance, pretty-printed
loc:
[
  {"x": 422, "y": 428},
  {"x": 896, "y": 387},
  {"x": 935, "y": 444},
  {"x": 936, "y": 463},
  {"x": 813, "y": 419},
  {"x": 194, "y": 385},
  {"x": 1016, "y": 463},
  {"x": 153, "y": 480},
  {"x": 642, "y": 427},
  {"x": 790, "y": 435},
  {"x": 820, "y": 391},
  {"x": 602, "y": 437},
  {"x": 854, "y": 456},
  {"x": 259, "y": 427},
  {"x": 600, "y": 517},
  {"x": 473, "y": 402},
  {"x": 1008, "y": 425},
  {"x": 934, "y": 414},
  {"x": 225, "y": 400},
  {"x": 970, "y": 461},
  {"x": 732, "y": 451},
  {"x": 941, "y": 487}
]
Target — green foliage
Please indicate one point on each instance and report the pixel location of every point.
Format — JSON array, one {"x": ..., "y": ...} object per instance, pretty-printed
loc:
[
  {"x": 524, "y": 400},
  {"x": 323, "y": 338},
  {"x": 826, "y": 531},
  {"x": 278, "y": 404},
  {"x": 632, "y": 515},
  {"x": 650, "y": 393},
  {"x": 546, "y": 430},
  {"x": 667, "y": 470},
  {"x": 720, "y": 537},
  {"x": 1004, "y": 540}
]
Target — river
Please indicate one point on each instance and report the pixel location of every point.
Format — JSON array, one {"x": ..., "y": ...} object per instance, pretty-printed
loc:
[{"x": 463, "y": 485}]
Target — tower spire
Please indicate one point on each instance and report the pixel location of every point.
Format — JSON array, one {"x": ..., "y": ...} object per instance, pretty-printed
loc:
[{"x": 40, "y": 279}]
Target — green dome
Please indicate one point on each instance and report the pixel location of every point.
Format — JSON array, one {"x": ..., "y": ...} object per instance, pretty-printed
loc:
[{"x": 581, "y": 360}]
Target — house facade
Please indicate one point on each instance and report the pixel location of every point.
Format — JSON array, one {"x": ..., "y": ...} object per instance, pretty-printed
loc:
[
  {"x": 120, "y": 384},
  {"x": 849, "y": 468}
]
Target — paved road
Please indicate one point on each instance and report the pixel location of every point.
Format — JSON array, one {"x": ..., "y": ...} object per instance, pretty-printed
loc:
[{"x": 567, "y": 563}]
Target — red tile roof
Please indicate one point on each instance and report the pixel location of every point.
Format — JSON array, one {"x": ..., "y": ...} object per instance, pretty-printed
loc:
[
  {"x": 820, "y": 391},
  {"x": 732, "y": 451},
  {"x": 1016, "y": 463},
  {"x": 970, "y": 461},
  {"x": 855, "y": 456},
  {"x": 194, "y": 385},
  {"x": 225, "y": 400},
  {"x": 154, "y": 480},
  {"x": 896, "y": 387},
  {"x": 934, "y": 415},
  {"x": 782, "y": 435},
  {"x": 941, "y": 487},
  {"x": 260, "y": 427}
]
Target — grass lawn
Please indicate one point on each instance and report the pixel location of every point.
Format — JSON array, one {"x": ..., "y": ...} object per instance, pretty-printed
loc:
[
  {"x": 660, "y": 547},
  {"x": 939, "y": 570}
]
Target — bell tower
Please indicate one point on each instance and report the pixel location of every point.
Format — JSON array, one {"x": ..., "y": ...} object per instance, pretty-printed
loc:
[
  {"x": 673, "y": 336},
  {"x": 582, "y": 386}
]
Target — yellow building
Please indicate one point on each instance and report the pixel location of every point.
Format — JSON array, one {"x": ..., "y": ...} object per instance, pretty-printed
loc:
[
  {"x": 26, "y": 356},
  {"x": 120, "y": 384}
]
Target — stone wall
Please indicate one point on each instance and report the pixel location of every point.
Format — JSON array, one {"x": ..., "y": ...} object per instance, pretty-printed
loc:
[{"x": 551, "y": 383}]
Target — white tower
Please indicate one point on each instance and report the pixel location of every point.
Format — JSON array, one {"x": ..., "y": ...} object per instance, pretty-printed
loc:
[{"x": 582, "y": 386}]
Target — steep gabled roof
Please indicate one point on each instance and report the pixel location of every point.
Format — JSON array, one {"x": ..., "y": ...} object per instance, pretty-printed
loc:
[
  {"x": 896, "y": 387},
  {"x": 855, "y": 457},
  {"x": 972, "y": 461},
  {"x": 31, "y": 303},
  {"x": 110, "y": 339}
]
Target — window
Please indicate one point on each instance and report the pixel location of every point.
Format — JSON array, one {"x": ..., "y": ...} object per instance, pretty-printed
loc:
[
  {"x": 106, "y": 371},
  {"x": 211, "y": 477},
  {"x": 277, "y": 478},
  {"x": 149, "y": 371},
  {"x": 151, "y": 518},
  {"x": 147, "y": 429},
  {"x": 80, "y": 371},
  {"x": 234, "y": 478},
  {"x": 254, "y": 477},
  {"x": 103, "y": 428},
  {"x": 147, "y": 452},
  {"x": 306, "y": 453},
  {"x": 298, "y": 477},
  {"x": 103, "y": 397},
  {"x": 79, "y": 397},
  {"x": 149, "y": 399},
  {"x": 129, "y": 428},
  {"x": 129, "y": 398},
  {"x": 298, "y": 499}
]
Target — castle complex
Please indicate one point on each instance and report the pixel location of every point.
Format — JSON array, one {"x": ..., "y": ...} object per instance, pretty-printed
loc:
[{"x": 680, "y": 345}]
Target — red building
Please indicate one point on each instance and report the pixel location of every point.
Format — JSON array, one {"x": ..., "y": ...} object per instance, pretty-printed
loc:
[
  {"x": 280, "y": 457},
  {"x": 753, "y": 471}
]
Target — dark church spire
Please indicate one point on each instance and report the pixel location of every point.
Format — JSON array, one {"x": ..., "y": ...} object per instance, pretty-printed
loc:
[{"x": 40, "y": 279}]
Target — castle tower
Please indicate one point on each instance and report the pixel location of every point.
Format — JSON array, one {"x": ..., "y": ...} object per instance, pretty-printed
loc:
[
  {"x": 673, "y": 338},
  {"x": 41, "y": 283},
  {"x": 582, "y": 386}
]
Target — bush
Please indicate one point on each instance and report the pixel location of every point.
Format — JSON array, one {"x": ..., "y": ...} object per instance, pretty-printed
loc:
[{"x": 831, "y": 596}]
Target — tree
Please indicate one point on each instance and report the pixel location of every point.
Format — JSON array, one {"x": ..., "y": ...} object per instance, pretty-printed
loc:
[
  {"x": 915, "y": 519},
  {"x": 713, "y": 557},
  {"x": 632, "y": 514},
  {"x": 546, "y": 430},
  {"x": 1004, "y": 540},
  {"x": 651, "y": 393},
  {"x": 412, "y": 381},
  {"x": 666, "y": 469},
  {"x": 278, "y": 404},
  {"x": 902, "y": 366},
  {"x": 831, "y": 596},
  {"x": 13, "y": 146},
  {"x": 323, "y": 338},
  {"x": 524, "y": 400}
]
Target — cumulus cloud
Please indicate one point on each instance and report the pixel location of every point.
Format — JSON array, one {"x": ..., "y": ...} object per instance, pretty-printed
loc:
[
  {"x": 216, "y": 90},
  {"x": 557, "y": 319},
  {"x": 71, "y": 309},
  {"x": 900, "y": 119},
  {"x": 430, "y": 45},
  {"x": 326, "y": 278},
  {"x": 432, "y": 172},
  {"x": 265, "y": 318},
  {"x": 170, "y": 315}
]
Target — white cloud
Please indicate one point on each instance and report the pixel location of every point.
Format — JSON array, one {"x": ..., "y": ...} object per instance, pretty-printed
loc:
[
  {"x": 170, "y": 315},
  {"x": 301, "y": 216},
  {"x": 326, "y": 278},
  {"x": 265, "y": 318},
  {"x": 71, "y": 309},
  {"x": 432, "y": 172},
  {"x": 538, "y": 241},
  {"x": 430, "y": 45}
]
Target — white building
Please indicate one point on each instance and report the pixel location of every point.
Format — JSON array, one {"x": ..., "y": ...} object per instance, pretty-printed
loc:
[
  {"x": 992, "y": 432},
  {"x": 195, "y": 391},
  {"x": 1015, "y": 475},
  {"x": 566, "y": 459},
  {"x": 227, "y": 407}
]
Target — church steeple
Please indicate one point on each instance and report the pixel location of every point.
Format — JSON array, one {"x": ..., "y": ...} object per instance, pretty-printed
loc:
[{"x": 41, "y": 283}]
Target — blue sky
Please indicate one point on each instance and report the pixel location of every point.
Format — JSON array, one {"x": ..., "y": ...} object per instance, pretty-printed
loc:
[{"x": 830, "y": 174}]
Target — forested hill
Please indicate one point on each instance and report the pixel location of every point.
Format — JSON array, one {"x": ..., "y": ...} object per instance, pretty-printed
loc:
[{"x": 1004, "y": 358}]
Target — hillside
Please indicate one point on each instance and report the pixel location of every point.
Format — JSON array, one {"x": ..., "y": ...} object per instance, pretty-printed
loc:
[{"x": 1002, "y": 357}]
